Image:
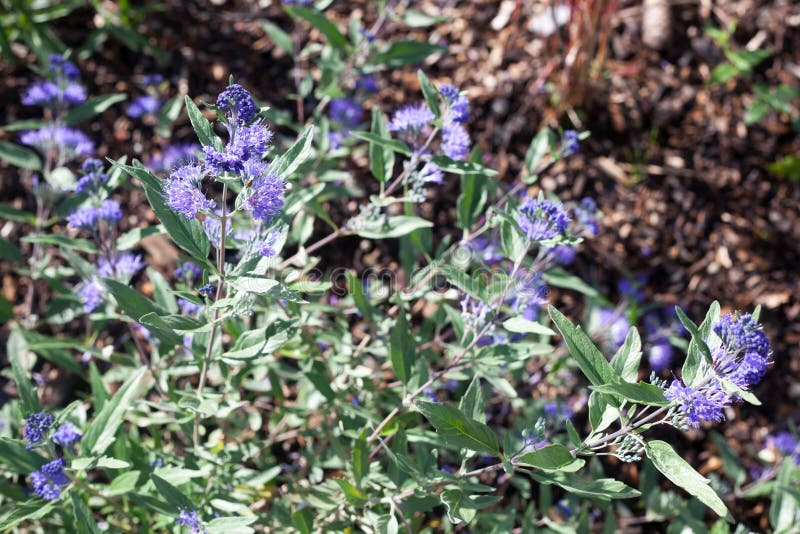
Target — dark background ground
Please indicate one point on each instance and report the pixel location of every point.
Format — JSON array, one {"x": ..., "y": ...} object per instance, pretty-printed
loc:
[{"x": 679, "y": 177}]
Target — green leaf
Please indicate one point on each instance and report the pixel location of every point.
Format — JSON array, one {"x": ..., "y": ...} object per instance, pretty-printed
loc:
[
  {"x": 589, "y": 358},
  {"x": 695, "y": 354},
  {"x": 297, "y": 154},
  {"x": 100, "y": 433},
  {"x": 13, "y": 214},
  {"x": 401, "y": 348},
  {"x": 548, "y": 457},
  {"x": 730, "y": 459},
  {"x": 429, "y": 92},
  {"x": 601, "y": 489},
  {"x": 386, "y": 142},
  {"x": 406, "y": 52},
  {"x": 723, "y": 72},
  {"x": 93, "y": 462},
  {"x": 17, "y": 348},
  {"x": 352, "y": 494},
  {"x": 205, "y": 134},
  {"x": 561, "y": 278},
  {"x": 462, "y": 167},
  {"x": 626, "y": 361},
  {"x": 392, "y": 227},
  {"x": 188, "y": 235},
  {"x": 230, "y": 525},
  {"x": 472, "y": 403},
  {"x": 680, "y": 473},
  {"x": 174, "y": 498},
  {"x": 303, "y": 520},
  {"x": 318, "y": 20},
  {"x": 15, "y": 456},
  {"x": 92, "y": 107},
  {"x": 784, "y": 509},
  {"x": 27, "y": 511},
  {"x": 19, "y": 156},
  {"x": 360, "y": 455},
  {"x": 281, "y": 39},
  {"x": 84, "y": 245},
  {"x": 472, "y": 200},
  {"x": 787, "y": 167},
  {"x": 381, "y": 158},
  {"x": 601, "y": 414},
  {"x": 84, "y": 521},
  {"x": 541, "y": 145},
  {"x": 641, "y": 393},
  {"x": 521, "y": 325},
  {"x": 359, "y": 296},
  {"x": 458, "y": 430},
  {"x": 133, "y": 238}
]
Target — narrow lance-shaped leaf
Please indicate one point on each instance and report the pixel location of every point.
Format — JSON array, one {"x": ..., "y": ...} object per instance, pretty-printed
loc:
[
  {"x": 591, "y": 361},
  {"x": 458, "y": 430},
  {"x": 680, "y": 473},
  {"x": 101, "y": 432},
  {"x": 402, "y": 349}
]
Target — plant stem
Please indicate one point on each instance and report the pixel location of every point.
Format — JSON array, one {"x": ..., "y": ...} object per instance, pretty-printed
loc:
[
  {"x": 215, "y": 325},
  {"x": 622, "y": 431}
]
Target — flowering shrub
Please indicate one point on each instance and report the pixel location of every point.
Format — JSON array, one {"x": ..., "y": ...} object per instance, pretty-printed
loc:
[{"x": 256, "y": 387}]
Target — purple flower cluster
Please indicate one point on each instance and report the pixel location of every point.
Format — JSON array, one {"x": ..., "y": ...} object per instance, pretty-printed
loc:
[
  {"x": 87, "y": 217},
  {"x": 94, "y": 177},
  {"x": 182, "y": 191},
  {"x": 238, "y": 105},
  {"x": 190, "y": 519},
  {"x": 613, "y": 325},
  {"x": 247, "y": 143},
  {"x": 47, "y": 482},
  {"x": 143, "y": 105},
  {"x": 786, "y": 444},
  {"x": 569, "y": 143},
  {"x": 174, "y": 156},
  {"x": 36, "y": 426},
  {"x": 455, "y": 139},
  {"x": 740, "y": 358},
  {"x": 265, "y": 194},
  {"x": 121, "y": 266},
  {"x": 68, "y": 142},
  {"x": 91, "y": 294},
  {"x": 188, "y": 270},
  {"x": 66, "y": 434},
  {"x": 346, "y": 111},
  {"x": 586, "y": 214},
  {"x": 542, "y": 219},
  {"x": 411, "y": 120},
  {"x": 61, "y": 88},
  {"x": 529, "y": 294}
]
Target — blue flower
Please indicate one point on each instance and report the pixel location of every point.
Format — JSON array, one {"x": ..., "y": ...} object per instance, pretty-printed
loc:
[
  {"x": 36, "y": 425},
  {"x": 152, "y": 79},
  {"x": 456, "y": 105},
  {"x": 613, "y": 326},
  {"x": 188, "y": 307},
  {"x": 87, "y": 217},
  {"x": 68, "y": 142},
  {"x": 704, "y": 403},
  {"x": 62, "y": 68},
  {"x": 122, "y": 266},
  {"x": 368, "y": 83},
  {"x": 66, "y": 434},
  {"x": 542, "y": 219},
  {"x": 91, "y": 294},
  {"x": 190, "y": 519},
  {"x": 346, "y": 111},
  {"x": 93, "y": 178},
  {"x": 569, "y": 143},
  {"x": 174, "y": 156},
  {"x": 563, "y": 254},
  {"x": 455, "y": 142},
  {"x": 660, "y": 355},
  {"x": 182, "y": 191},
  {"x": 744, "y": 354},
  {"x": 411, "y": 119},
  {"x": 586, "y": 215},
  {"x": 265, "y": 195},
  {"x": 266, "y": 247},
  {"x": 144, "y": 105},
  {"x": 238, "y": 105},
  {"x": 188, "y": 269},
  {"x": 206, "y": 290},
  {"x": 249, "y": 143},
  {"x": 48, "y": 481}
]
